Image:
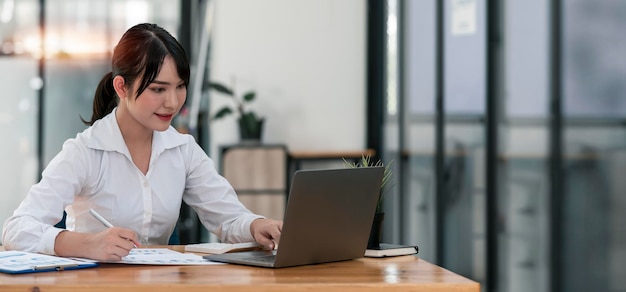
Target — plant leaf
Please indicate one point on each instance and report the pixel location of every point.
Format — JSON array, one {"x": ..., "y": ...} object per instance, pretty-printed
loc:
[
  {"x": 250, "y": 117},
  {"x": 350, "y": 164},
  {"x": 366, "y": 161},
  {"x": 222, "y": 113},
  {"x": 221, "y": 88},
  {"x": 386, "y": 173},
  {"x": 249, "y": 96}
]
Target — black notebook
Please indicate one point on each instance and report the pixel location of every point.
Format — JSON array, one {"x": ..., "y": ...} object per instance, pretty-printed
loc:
[
  {"x": 390, "y": 250},
  {"x": 19, "y": 262}
]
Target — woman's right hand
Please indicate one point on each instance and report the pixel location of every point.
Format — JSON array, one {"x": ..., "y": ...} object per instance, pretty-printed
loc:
[
  {"x": 109, "y": 245},
  {"x": 112, "y": 244}
]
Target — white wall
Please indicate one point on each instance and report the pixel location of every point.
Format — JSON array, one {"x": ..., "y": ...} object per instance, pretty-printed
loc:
[{"x": 306, "y": 60}]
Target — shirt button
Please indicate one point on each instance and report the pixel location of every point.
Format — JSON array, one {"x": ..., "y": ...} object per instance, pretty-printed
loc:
[{"x": 145, "y": 184}]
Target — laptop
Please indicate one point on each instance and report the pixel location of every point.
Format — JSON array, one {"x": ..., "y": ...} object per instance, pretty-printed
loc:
[{"x": 328, "y": 218}]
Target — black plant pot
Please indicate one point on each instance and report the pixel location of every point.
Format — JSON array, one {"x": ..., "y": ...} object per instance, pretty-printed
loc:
[
  {"x": 250, "y": 129},
  {"x": 376, "y": 232}
]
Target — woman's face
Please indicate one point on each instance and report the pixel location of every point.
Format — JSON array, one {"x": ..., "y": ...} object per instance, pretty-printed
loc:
[{"x": 155, "y": 108}]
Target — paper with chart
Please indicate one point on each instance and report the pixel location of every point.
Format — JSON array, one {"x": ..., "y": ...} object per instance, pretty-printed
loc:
[
  {"x": 162, "y": 256},
  {"x": 15, "y": 262}
]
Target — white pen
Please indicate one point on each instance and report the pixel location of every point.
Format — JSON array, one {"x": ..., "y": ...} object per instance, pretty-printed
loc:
[{"x": 102, "y": 220}]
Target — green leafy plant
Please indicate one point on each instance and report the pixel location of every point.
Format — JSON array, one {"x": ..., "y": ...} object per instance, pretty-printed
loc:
[
  {"x": 366, "y": 161},
  {"x": 250, "y": 124}
]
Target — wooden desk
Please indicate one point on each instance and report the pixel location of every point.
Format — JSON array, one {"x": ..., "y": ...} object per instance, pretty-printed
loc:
[{"x": 406, "y": 273}]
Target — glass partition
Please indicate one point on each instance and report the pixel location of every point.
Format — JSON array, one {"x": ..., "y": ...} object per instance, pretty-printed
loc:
[
  {"x": 594, "y": 139},
  {"x": 560, "y": 140},
  {"x": 52, "y": 79},
  {"x": 524, "y": 178},
  {"x": 20, "y": 83},
  {"x": 450, "y": 233}
]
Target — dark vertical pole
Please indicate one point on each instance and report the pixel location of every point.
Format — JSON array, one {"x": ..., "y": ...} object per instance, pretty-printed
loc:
[
  {"x": 376, "y": 44},
  {"x": 556, "y": 146},
  {"x": 439, "y": 132},
  {"x": 184, "y": 33},
  {"x": 493, "y": 51},
  {"x": 188, "y": 229},
  {"x": 41, "y": 71},
  {"x": 404, "y": 164}
]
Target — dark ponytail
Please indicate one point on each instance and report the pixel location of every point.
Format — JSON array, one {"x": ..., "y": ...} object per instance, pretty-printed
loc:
[
  {"x": 104, "y": 101},
  {"x": 138, "y": 56}
]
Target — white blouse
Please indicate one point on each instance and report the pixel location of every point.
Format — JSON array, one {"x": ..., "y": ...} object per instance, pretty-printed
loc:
[{"x": 95, "y": 170}]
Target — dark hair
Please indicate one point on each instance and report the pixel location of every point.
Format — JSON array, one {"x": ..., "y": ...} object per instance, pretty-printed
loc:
[{"x": 141, "y": 50}]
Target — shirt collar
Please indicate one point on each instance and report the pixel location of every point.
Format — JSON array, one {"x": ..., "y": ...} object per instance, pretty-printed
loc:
[{"x": 106, "y": 136}]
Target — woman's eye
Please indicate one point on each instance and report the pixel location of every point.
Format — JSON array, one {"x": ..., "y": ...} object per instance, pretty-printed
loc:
[
  {"x": 181, "y": 86},
  {"x": 158, "y": 89}
]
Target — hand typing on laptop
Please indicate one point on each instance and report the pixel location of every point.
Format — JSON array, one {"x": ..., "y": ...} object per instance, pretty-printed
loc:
[{"x": 266, "y": 232}]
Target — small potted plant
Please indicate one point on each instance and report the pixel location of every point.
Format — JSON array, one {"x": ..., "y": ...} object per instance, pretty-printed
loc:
[
  {"x": 250, "y": 124},
  {"x": 376, "y": 232}
]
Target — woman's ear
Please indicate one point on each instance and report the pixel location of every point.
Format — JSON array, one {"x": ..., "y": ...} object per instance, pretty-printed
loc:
[{"x": 119, "y": 84}]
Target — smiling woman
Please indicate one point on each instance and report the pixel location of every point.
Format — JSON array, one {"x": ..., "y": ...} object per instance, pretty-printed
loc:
[
  {"x": 132, "y": 167},
  {"x": 42, "y": 105},
  {"x": 155, "y": 107},
  {"x": 139, "y": 114},
  {"x": 163, "y": 67}
]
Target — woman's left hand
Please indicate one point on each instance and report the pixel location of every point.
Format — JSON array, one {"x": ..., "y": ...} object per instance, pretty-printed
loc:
[{"x": 266, "y": 232}]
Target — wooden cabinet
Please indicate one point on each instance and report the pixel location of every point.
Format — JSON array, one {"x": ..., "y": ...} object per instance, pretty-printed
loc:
[{"x": 259, "y": 174}]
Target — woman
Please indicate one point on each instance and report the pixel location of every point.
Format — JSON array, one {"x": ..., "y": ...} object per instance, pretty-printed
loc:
[{"x": 132, "y": 167}]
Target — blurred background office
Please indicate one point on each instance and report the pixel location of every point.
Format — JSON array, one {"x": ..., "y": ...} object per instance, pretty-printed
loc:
[{"x": 504, "y": 119}]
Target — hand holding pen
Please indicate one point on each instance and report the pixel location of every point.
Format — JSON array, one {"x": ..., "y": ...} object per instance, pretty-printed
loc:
[
  {"x": 109, "y": 225},
  {"x": 112, "y": 244}
]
